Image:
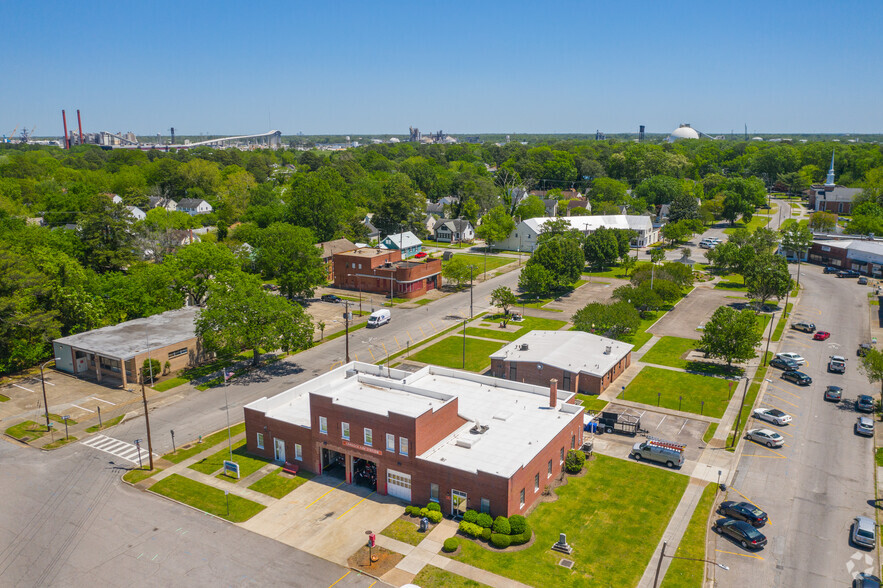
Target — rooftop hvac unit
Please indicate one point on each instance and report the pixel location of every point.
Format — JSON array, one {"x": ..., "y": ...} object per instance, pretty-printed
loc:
[
  {"x": 607, "y": 350},
  {"x": 524, "y": 347}
]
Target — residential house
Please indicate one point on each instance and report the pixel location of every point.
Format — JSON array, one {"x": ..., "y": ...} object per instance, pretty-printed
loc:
[
  {"x": 194, "y": 206},
  {"x": 136, "y": 213},
  {"x": 409, "y": 244},
  {"x": 330, "y": 249},
  {"x": 454, "y": 231},
  {"x": 160, "y": 202},
  {"x": 551, "y": 205},
  {"x": 430, "y": 222}
]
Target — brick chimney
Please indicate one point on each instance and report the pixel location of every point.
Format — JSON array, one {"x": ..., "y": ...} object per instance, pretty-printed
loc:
[{"x": 553, "y": 393}]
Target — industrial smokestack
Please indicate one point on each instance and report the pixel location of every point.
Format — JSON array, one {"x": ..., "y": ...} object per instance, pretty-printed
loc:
[
  {"x": 553, "y": 393},
  {"x": 67, "y": 144},
  {"x": 173, "y": 135},
  {"x": 80, "y": 125}
]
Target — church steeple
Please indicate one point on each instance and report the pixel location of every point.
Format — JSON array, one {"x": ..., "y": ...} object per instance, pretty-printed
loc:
[{"x": 830, "y": 180}]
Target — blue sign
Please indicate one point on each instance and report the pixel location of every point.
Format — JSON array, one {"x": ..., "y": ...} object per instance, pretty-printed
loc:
[{"x": 232, "y": 468}]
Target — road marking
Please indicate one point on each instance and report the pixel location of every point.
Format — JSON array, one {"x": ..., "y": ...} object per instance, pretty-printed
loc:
[
  {"x": 100, "y": 400},
  {"x": 372, "y": 354},
  {"x": 154, "y": 557},
  {"x": 682, "y": 426},
  {"x": 117, "y": 448},
  {"x": 81, "y": 408},
  {"x": 785, "y": 401},
  {"x": 371, "y": 585},
  {"x": 22, "y": 387},
  {"x": 355, "y": 505},
  {"x": 662, "y": 421},
  {"x": 433, "y": 326},
  {"x": 777, "y": 454},
  {"x": 410, "y": 338},
  {"x": 340, "y": 578},
  {"x": 323, "y": 496},
  {"x": 422, "y": 331},
  {"x": 786, "y": 391},
  {"x": 396, "y": 339},
  {"x": 769, "y": 520},
  {"x": 384, "y": 348},
  {"x": 48, "y": 382},
  {"x": 732, "y": 553}
]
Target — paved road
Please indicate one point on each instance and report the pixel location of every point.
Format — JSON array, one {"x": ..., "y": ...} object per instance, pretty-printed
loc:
[{"x": 823, "y": 476}]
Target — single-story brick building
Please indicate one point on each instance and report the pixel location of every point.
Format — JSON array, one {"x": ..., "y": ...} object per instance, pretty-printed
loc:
[{"x": 863, "y": 255}]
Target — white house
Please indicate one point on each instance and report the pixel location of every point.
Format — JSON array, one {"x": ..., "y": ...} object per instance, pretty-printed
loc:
[
  {"x": 159, "y": 201},
  {"x": 136, "y": 213},
  {"x": 194, "y": 206},
  {"x": 524, "y": 236},
  {"x": 454, "y": 231}
]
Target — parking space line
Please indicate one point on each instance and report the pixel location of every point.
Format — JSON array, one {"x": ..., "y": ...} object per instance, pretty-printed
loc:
[
  {"x": 396, "y": 339},
  {"x": 785, "y": 391},
  {"x": 662, "y": 421},
  {"x": 732, "y": 553},
  {"x": 422, "y": 331},
  {"x": 371, "y": 585},
  {"x": 777, "y": 454},
  {"x": 769, "y": 520},
  {"x": 341, "y": 578},
  {"x": 81, "y": 408},
  {"x": 372, "y": 354},
  {"x": 323, "y": 496},
  {"x": 384, "y": 348},
  {"x": 682, "y": 426},
  {"x": 355, "y": 505},
  {"x": 410, "y": 338},
  {"x": 22, "y": 387},
  {"x": 785, "y": 401},
  {"x": 101, "y": 400}
]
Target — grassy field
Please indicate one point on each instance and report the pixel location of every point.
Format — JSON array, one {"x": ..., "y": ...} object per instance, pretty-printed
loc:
[
  {"x": 755, "y": 223},
  {"x": 641, "y": 336},
  {"x": 614, "y": 272},
  {"x": 214, "y": 462},
  {"x": 106, "y": 424},
  {"x": 670, "y": 351},
  {"x": 207, "y": 499},
  {"x": 404, "y": 531},
  {"x": 433, "y": 577},
  {"x": 169, "y": 384},
  {"x": 457, "y": 327},
  {"x": 489, "y": 329},
  {"x": 278, "y": 484},
  {"x": 493, "y": 262},
  {"x": 601, "y": 516},
  {"x": 449, "y": 353},
  {"x": 26, "y": 431},
  {"x": 136, "y": 475},
  {"x": 732, "y": 282},
  {"x": 679, "y": 391},
  {"x": 592, "y": 402},
  {"x": 190, "y": 450},
  {"x": 248, "y": 463},
  {"x": 685, "y": 573}
]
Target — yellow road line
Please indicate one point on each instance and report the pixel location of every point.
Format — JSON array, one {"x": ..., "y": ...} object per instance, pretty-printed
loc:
[
  {"x": 355, "y": 505},
  {"x": 410, "y": 338},
  {"x": 786, "y": 391},
  {"x": 372, "y": 354},
  {"x": 341, "y": 578},
  {"x": 421, "y": 330},
  {"x": 323, "y": 496},
  {"x": 431, "y": 325},
  {"x": 750, "y": 501},
  {"x": 783, "y": 400},
  {"x": 732, "y": 553},
  {"x": 396, "y": 339},
  {"x": 371, "y": 585},
  {"x": 384, "y": 347}
]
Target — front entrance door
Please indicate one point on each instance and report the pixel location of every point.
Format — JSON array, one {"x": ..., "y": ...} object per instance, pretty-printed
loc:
[
  {"x": 279, "y": 445},
  {"x": 458, "y": 503}
]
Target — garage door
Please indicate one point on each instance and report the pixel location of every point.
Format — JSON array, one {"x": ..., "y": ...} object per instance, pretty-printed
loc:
[{"x": 398, "y": 485}]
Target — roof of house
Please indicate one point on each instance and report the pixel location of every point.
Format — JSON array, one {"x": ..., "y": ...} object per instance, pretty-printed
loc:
[
  {"x": 837, "y": 193},
  {"x": 572, "y": 351},
  {"x": 155, "y": 201},
  {"x": 520, "y": 423},
  {"x": 372, "y": 230},
  {"x": 329, "y": 248},
  {"x": 402, "y": 240},
  {"x": 126, "y": 340},
  {"x": 454, "y": 225},
  {"x": 435, "y": 208},
  {"x": 191, "y": 203},
  {"x": 594, "y": 222}
]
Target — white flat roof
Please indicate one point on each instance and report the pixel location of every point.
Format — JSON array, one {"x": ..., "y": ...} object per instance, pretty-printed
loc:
[
  {"x": 572, "y": 351},
  {"x": 594, "y": 222}
]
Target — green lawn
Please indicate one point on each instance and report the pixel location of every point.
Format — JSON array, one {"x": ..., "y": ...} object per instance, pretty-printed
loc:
[
  {"x": 428, "y": 339},
  {"x": 442, "y": 244},
  {"x": 26, "y": 431},
  {"x": 732, "y": 282},
  {"x": 169, "y": 384},
  {"x": 105, "y": 425},
  {"x": 614, "y": 272},
  {"x": 592, "y": 402},
  {"x": 248, "y": 463},
  {"x": 641, "y": 336},
  {"x": 685, "y": 573},
  {"x": 4, "y": 398},
  {"x": 60, "y": 442},
  {"x": 404, "y": 531},
  {"x": 278, "y": 484},
  {"x": 602, "y": 512},
  {"x": 493, "y": 261},
  {"x": 138, "y": 474},
  {"x": 211, "y": 464},
  {"x": 433, "y": 577},
  {"x": 709, "y": 432},
  {"x": 192, "y": 449},
  {"x": 878, "y": 457},
  {"x": 449, "y": 353},
  {"x": 207, "y": 498},
  {"x": 755, "y": 223},
  {"x": 671, "y": 350},
  {"x": 665, "y": 387},
  {"x": 491, "y": 330}
]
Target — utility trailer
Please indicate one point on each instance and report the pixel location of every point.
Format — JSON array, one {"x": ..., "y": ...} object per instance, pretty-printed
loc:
[{"x": 619, "y": 422}]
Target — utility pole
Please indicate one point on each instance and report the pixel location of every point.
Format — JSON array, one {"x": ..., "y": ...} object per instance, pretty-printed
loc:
[
  {"x": 739, "y": 414},
  {"x": 767, "y": 352},
  {"x": 659, "y": 564},
  {"x": 43, "y": 382},
  {"x": 471, "y": 267},
  {"x": 147, "y": 422},
  {"x": 346, "y": 316}
]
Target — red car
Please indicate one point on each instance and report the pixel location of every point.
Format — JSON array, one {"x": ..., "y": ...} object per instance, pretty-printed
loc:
[
  {"x": 821, "y": 335},
  {"x": 421, "y": 255}
]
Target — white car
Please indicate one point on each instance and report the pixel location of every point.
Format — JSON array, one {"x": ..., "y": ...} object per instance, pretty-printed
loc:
[
  {"x": 773, "y": 415},
  {"x": 765, "y": 437},
  {"x": 793, "y": 357}
]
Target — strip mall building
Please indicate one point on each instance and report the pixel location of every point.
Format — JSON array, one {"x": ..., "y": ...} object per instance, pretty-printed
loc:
[{"x": 463, "y": 440}]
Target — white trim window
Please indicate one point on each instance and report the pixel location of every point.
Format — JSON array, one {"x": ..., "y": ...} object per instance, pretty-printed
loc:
[
  {"x": 323, "y": 425},
  {"x": 536, "y": 483},
  {"x": 521, "y": 497},
  {"x": 369, "y": 437},
  {"x": 260, "y": 440},
  {"x": 345, "y": 430},
  {"x": 391, "y": 442},
  {"x": 298, "y": 452},
  {"x": 403, "y": 445}
]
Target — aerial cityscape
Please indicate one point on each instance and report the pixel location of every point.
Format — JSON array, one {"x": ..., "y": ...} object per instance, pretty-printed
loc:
[{"x": 441, "y": 295}]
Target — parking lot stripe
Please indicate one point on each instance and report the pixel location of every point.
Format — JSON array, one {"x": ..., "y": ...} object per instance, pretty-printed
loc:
[
  {"x": 372, "y": 354},
  {"x": 682, "y": 426},
  {"x": 340, "y": 578},
  {"x": 355, "y": 505},
  {"x": 323, "y": 496},
  {"x": 371, "y": 585},
  {"x": 662, "y": 421},
  {"x": 730, "y": 553},
  {"x": 410, "y": 338},
  {"x": 81, "y": 408},
  {"x": 396, "y": 339},
  {"x": 22, "y": 387},
  {"x": 777, "y": 454},
  {"x": 422, "y": 331},
  {"x": 785, "y": 391},
  {"x": 785, "y": 401},
  {"x": 101, "y": 400}
]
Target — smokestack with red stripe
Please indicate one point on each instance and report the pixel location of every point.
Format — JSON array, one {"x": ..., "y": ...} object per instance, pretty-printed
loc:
[
  {"x": 67, "y": 144},
  {"x": 553, "y": 393},
  {"x": 80, "y": 124}
]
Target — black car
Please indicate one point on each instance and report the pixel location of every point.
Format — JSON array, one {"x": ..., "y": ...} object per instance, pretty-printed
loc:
[
  {"x": 746, "y": 535},
  {"x": 330, "y": 298},
  {"x": 796, "y": 377},
  {"x": 830, "y": 269},
  {"x": 864, "y": 403},
  {"x": 743, "y": 511},
  {"x": 863, "y": 580},
  {"x": 848, "y": 274},
  {"x": 833, "y": 393},
  {"x": 783, "y": 363}
]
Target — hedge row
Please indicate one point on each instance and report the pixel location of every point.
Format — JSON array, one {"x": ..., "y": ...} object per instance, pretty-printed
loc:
[
  {"x": 501, "y": 532},
  {"x": 431, "y": 511}
]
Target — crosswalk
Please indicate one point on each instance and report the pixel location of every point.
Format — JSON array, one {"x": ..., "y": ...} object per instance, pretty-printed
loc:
[{"x": 127, "y": 451}]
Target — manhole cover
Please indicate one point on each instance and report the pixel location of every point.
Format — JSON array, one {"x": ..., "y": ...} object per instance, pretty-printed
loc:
[{"x": 566, "y": 563}]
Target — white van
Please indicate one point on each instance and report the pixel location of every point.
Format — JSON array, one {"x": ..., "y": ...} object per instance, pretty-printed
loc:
[
  {"x": 671, "y": 454},
  {"x": 378, "y": 318}
]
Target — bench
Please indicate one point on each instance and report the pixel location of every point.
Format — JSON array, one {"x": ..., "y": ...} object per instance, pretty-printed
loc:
[{"x": 290, "y": 468}]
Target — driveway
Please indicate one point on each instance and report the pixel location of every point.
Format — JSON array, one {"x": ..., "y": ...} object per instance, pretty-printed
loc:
[
  {"x": 693, "y": 311},
  {"x": 327, "y": 518}
]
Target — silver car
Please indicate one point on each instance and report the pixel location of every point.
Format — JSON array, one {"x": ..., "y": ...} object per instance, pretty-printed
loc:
[
  {"x": 765, "y": 437},
  {"x": 864, "y": 532},
  {"x": 864, "y": 426}
]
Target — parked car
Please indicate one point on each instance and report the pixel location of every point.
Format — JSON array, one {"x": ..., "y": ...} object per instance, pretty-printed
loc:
[
  {"x": 746, "y": 535},
  {"x": 772, "y": 415},
  {"x": 805, "y": 327},
  {"x": 833, "y": 393},
  {"x": 783, "y": 363},
  {"x": 421, "y": 255},
  {"x": 864, "y": 403},
  {"x": 864, "y": 532},
  {"x": 863, "y": 349},
  {"x": 330, "y": 298},
  {"x": 848, "y": 274},
  {"x": 821, "y": 336},
  {"x": 837, "y": 364},
  {"x": 796, "y": 377},
  {"x": 863, "y": 580},
  {"x": 743, "y": 511},
  {"x": 765, "y": 437},
  {"x": 863, "y": 280},
  {"x": 830, "y": 269},
  {"x": 793, "y": 357},
  {"x": 864, "y": 426}
]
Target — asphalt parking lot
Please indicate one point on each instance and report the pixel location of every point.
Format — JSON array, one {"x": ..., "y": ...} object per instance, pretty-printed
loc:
[
  {"x": 598, "y": 290},
  {"x": 692, "y": 312}
]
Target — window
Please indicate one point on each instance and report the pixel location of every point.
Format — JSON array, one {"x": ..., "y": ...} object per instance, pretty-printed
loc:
[
  {"x": 390, "y": 442},
  {"x": 403, "y": 445},
  {"x": 562, "y": 456},
  {"x": 549, "y": 475},
  {"x": 260, "y": 440},
  {"x": 566, "y": 383},
  {"x": 323, "y": 425},
  {"x": 513, "y": 372},
  {"x": 298, "y": 452},
  {"x": 485, "y": 505},
  {"x": 345, "y": 430},
  {"x": 536, "y": 483},
  {"x": 369, "y": 437},
  {"x": 522, "y": 498},
  {"x": 573, "y": 441},
  {"x": 433, "y": 492},
  {"x": 177, "y": 352}
]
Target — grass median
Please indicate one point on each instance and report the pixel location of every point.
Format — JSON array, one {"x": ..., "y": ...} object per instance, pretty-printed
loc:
[
  {"x": 679, "y": 391},
  {"x": 207, "y": 499},
  {"x": 192, "y": 449},
  {"x": 780, "y": 324},
  {"x": 490, "y": 330},
  {"x": 278, "y": 484},
  {"x": 449, "y": 353},
  {"x": 750, "y": 397},
  {"x": 684, "y": 573}
]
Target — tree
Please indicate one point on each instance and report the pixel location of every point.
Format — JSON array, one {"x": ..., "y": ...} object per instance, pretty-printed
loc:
[
  {"x": 557, "y": 227},
  {"x": 193, "y": 267},
  {"x": 683, "y": 207},
  {"x": 530, "y": 207},
  {"x": 106, "y": 233},
  {"x": 657, "y": 254},
  {"x": 535, "y": 280},
  {"x": 609, "y": 190},
  {"x": 797, "y": 239},
  {"x": 768, "y": 277},
  {"x": 456, "y": 270},
  {"x": 641, "y": 297},
  {"x": 616, "y": 320},
  {"x": 659, "y": 190},
  {"x": 731, "y": 335},
  {"x": 628, "y": 263},
  {"x": 735, "y": 205},
  {"x": 495, "y": 226},
  {"x": 239, "y": 314},
  {"x": 601, "y": 249},
  {"x": 823, "y": 222},
  {"x": 317, "y": 202},
  {"x": 871, "y": 365},
  {"x": 400, "y": 207},
  {"x": 562, "y": 257},
  {"x": 504, "y": 298},
  {"x": 794, "y": 182},
  {"x": 290, "y": 254}
]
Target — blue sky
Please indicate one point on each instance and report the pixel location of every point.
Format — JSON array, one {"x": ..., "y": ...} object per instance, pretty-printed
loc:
[{"x": 462, "y": 67}]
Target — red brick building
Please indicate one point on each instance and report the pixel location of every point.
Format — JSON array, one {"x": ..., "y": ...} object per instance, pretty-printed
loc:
[
  {"x": 460, "y": 439},
  {"x": 581, "y": 362},
  {"x": 382, "y": 271}
]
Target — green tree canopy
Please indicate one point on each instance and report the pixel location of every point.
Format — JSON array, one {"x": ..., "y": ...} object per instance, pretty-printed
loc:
[
  {"x": 290, "y": 254},
  {"x": 193, "y": 267},
  {"x": 617, "y": 320},
  {"x": 562, "y": 257},
  {"x": 731, "y": 335},
  {"x": 495, "y": 226},
  {"x": 768, "y": 277}
]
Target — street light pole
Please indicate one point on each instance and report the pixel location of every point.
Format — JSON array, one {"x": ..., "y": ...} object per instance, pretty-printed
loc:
[
  {"x": 346, "y": 316},
  {"x": 768, "y": 339},
  {"x": 43, "y": 382}
]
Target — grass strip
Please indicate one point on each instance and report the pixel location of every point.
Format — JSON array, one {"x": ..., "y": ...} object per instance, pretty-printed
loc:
[
  {"x": 192, "y": 449},
  {"x": 427, "y": 340},
  {"x": 450, "y": 353},
  {"x": 207, "y": 499},
  {"x": 138, "y": 474},
  {"x": 105, "y": 425},
  {"x": 61, "y": 442},
  {"x": 4, "y": 398},
  {"x": 592, "y": 402},
  {"x": 780, "y": 325},
  {"x": 248, "y": 463},
  {"x": 751, "y": 397},
  {"x": 279, "y": 484},
  {"x": 209, "y": 465},
  {"x": 670, "y": 351},
  {"x": 26, "y": 431},
  {"x": 169, "y": 384},
  {"x": 709, "y": 433},
  {"x": 684, "y": 573},
  {"x": 343, "y": 332},
  {"x": 433, "y": 577}
]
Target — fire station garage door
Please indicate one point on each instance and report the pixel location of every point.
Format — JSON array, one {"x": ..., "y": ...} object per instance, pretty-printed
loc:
[{"x": 398, "y": 485}]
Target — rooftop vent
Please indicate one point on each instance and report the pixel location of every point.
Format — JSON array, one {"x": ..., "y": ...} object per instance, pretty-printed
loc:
[
  {"x": 607, "y": 350},
  {"x": 478, "y": 428},
  {"x": 523, "y": 347}
]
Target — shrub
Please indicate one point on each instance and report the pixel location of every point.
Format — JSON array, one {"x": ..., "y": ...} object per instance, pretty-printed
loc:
[
  {"x": 433, "y": 506},
  {"x": 485, "y": 520},
  {"x": 500, "y": 541},
  {"x": 517, "y": 524},
  {"x": 412, "y": 510},
  {"x": 434, "y": 516},
  {"x": 574, "y": 461},
  {"x": 450, "y": 544},
  {"x": 501, "y": 525},
  {"x": 470, "y": 529},
  {"x": 470, "y": 516},
  {"x": 423, "y": 512},
  {"x": 523, "y": 537},
  {"x": 486, "y": 534}
]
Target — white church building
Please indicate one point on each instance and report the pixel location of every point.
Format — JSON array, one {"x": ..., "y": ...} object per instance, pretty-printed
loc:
[{"x": 524, "y": 236}]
